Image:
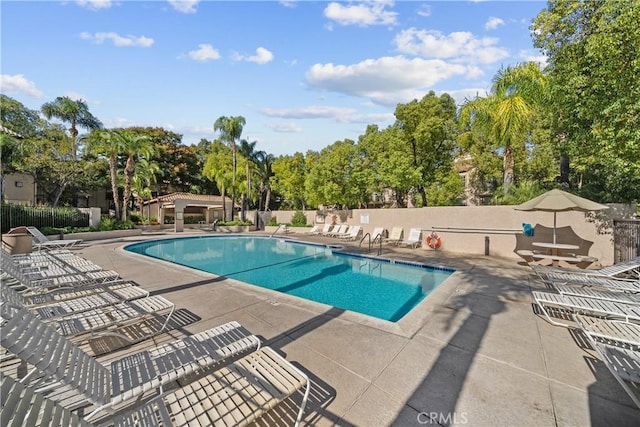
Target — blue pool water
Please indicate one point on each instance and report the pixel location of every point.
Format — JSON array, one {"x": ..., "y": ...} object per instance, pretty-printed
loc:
[{"x": 378, "y": 288}]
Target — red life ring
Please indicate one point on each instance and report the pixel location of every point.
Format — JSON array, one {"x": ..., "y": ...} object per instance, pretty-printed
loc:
[{"x": 433, "y": 240}]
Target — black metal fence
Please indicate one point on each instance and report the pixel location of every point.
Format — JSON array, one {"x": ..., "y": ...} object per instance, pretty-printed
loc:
[
  {"x": 626, "y": 239},
  {"x": 12, "y": 216}
]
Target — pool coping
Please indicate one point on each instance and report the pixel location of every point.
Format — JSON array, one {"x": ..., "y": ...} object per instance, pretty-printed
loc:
[{"x": 406, "y": 327}]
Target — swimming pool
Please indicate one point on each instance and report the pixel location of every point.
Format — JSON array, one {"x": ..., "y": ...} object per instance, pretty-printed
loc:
[{"x": 380, "y": 288}]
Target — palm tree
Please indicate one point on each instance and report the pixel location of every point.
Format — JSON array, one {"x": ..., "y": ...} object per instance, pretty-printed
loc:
[
  {"x": 136, "y": 145},
  {"x": 247, "y": 150},
  {"x": 264, "y": 163},
  {"x": 75, "y": 112},
  {"x": 141, "y": 185},
  {"x": 107, "y": 143},
  {"x": 507, "y": 113},
  {"x": 230, "y": 130}
]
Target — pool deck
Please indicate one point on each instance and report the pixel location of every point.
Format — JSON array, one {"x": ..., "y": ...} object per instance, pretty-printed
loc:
[{"x": 474, "y": 353}]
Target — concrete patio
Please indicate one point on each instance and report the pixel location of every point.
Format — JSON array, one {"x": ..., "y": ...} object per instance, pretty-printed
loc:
[{"x": 474, "y": 352}]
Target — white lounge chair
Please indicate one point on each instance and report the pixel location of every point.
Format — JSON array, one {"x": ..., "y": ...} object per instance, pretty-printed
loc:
[
  {"x": 233, "y": 394},
  {"x": 54, "y": 309},
  {"x": 613, "y": 332},
  {"x": 621, "y": 268},
  {"x": 326, "y": 230},
  {"x": 571, "y": 305},
  {"x": 597, "y": 293},
  {"x": 628, "y": 285},
  {"x": 340, "y": 229},
  {"x": 352, "y": 234},
  {"x": 395, "y": 236},
  {"x": 314, "y": 230},
  {"x": 624, "y": 364},
  {"x": 41, "y": 241},
  {"x": 22, "y": 406},
  {"x": 377, "y": 234},
  {"x": 414, "y": 239}
]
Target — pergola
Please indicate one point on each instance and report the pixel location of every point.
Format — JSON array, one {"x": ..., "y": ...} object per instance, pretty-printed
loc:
[{"x": 178, "y": 202}]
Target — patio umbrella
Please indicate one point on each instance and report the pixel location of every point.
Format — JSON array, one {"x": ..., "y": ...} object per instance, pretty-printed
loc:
[{"x": 559, "y": 201}]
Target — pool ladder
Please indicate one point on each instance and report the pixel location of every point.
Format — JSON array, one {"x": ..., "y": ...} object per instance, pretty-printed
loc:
[
  {"x": 370, "y": 242},
  {"x": 284, "y": 226}
]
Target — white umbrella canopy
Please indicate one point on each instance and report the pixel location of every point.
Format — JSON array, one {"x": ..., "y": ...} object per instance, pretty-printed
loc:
[{"x": 559, "y": 201}]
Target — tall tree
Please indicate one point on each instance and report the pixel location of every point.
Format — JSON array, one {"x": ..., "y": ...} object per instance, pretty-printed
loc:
[
  {"x": 506, "y": 115},
  {"x": 593, "y": 49},
  {"x": 74, "y": 112},
  {"x": 247, "y": 150},
  {"x": 107, "y": 143},
  {"x": 230, "y": 129},
  {"x": 136, "y": 145},
  {"x": 288, "y": 181},
  {"x": 216, "y": 167},
  {"x": 264, "y": 163},
  {"x": 429, "y": 128}
]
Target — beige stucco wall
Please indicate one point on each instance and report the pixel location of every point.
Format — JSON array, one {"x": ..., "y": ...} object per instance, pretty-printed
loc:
[
  {"x": 19, "y": 188},
  {"x": 463, "y": 229}
]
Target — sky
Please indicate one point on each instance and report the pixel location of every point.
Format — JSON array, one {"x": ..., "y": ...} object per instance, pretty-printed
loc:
[{"x": 303, "y": 74}]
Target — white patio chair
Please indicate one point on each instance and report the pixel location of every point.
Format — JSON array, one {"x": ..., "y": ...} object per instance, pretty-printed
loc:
[
  {"x": 129, "y": 378},
  {"x": 352, "y": 234},
  {"x": 597, "y": 293},
  {"x": 41, "y": 241},
  {"x": 414, "y": 239},
  {"x": 624, "y": 365},
  {"x": 395, "y": 236},
  {"x": 572, "y": 305},
  {"x": 377, "y": 234},
  {"x": 22, "y": 406}
]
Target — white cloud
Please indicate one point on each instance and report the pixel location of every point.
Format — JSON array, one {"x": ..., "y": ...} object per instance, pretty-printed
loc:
[
  {"x": 311, "y": 112},
  {"x": 184, "y": 6},
  {"x": 424, "y": 10},
  {"x": 493, "y": 23},
  {"x": 94, "y": 4},
  {"x": 385, "y": 80},
  {"x": 284, "y": 127},
  {"x": 289, "y": 3},
  {"x": 528, "y": 55},
  {"x": 362, "y": 14},
  {"x": 262, "y": 56},
  {"x": 459, "y": 46},
  {"x": 18, "y": 83},
  {"x": 205, "y": 52},
  {"x": 118, "y": 40}
]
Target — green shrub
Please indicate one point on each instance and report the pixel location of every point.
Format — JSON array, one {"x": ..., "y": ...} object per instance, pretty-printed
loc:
[
  {"x": 109, "y": 224},
  {"x": 299, "y": 219},
  {"x": 273, "y": 220},
  {"x": 193, "y": 219},
  {"x": 136, "y": 218}
]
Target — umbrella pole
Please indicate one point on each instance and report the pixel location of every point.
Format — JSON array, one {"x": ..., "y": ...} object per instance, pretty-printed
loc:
[{"x": 554, "y": 228}]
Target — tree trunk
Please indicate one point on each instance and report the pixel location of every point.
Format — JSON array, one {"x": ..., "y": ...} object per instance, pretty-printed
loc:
[
  {"x": 507, "y": 164},
  {"x": 233, "y": 187},
  {"x": 423, "y": 195},
  {"x": 224, "y": 204},
  {"x": 114, "y": 184},
  {"x": 242, "y": 203},
  {"x": 564, "y": 171},
  {"x": 267, "y": 199},
  {"x": 129, "y": 171}
]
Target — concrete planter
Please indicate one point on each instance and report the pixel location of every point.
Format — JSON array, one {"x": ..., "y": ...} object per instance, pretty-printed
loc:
[{"x": 99, "y": 235}]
